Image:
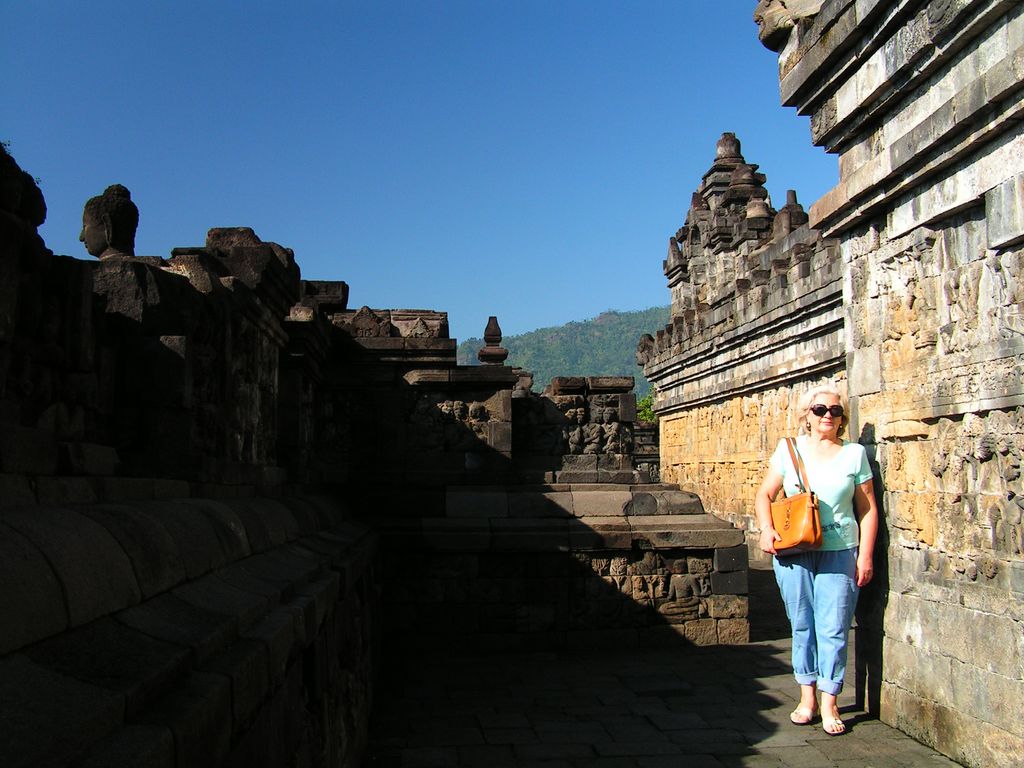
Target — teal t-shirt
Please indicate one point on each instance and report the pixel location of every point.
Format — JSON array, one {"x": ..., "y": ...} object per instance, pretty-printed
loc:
[{"x": 833, "y": 480}]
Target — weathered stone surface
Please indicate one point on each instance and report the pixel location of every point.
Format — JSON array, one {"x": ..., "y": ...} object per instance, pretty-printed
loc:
[
  {"x": 466, "y": 502},
  {"x": 112, "y": 656},
  {"x": 93, "y": 569},
  {"x": 541, "y": 504},
  {"x": 732, "y": 559},
  {"x": 27, "y": 451},
  {"x": 144, "y": 746},
  {"x": 31, "y": 601},
  {"x": 174, "y": 620},
  {"x": 27, "y": 734},
  {"x": 733, "y": 631},
  {"x": 15, "y": 490},
  {"x": 599, "y": 503},
  {"x": 196, "y": 713},
  {"x": 152, "y": 550}
]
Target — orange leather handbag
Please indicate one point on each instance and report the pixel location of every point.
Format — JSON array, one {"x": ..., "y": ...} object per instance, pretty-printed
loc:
[{"x": 796, "y": 517}]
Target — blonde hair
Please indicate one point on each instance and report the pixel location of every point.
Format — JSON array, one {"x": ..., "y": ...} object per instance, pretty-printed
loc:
[{"x": 804, "y": 406}]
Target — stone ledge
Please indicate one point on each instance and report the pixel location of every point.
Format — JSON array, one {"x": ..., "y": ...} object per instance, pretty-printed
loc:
[
  {"x": 108, "y": 557},
  {"x": 213, "y": 654}
]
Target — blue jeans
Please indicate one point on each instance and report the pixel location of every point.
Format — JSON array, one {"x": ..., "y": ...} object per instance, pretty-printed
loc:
[{"x": 820, "y": 593}]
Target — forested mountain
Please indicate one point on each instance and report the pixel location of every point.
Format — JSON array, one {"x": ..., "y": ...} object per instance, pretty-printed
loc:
[{"x": 602, "y": 346}]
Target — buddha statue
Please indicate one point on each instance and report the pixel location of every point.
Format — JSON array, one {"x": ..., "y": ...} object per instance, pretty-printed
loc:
[{"x": 109, "y": 222}]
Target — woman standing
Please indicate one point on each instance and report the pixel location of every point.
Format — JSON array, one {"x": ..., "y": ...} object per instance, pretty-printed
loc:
[{"x": 820, "y": 587}]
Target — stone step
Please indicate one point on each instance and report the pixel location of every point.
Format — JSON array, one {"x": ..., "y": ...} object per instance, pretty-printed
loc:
[{"x": 569, "y": 500}]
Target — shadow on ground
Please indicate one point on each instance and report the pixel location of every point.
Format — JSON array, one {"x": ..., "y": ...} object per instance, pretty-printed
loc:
[{"x": 682, "y": 706}]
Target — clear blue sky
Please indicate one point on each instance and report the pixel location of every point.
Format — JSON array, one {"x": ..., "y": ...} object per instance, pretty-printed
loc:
[{"x": 524, "y": 158}]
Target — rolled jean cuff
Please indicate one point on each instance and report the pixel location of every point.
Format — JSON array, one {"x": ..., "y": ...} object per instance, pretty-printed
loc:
[
  {"x": 807, "y": 679},
  {"x": 827, "y": 686}
]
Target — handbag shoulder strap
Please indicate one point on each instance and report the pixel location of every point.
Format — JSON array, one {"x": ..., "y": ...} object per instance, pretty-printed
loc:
[{"x": 798, "y": 463}]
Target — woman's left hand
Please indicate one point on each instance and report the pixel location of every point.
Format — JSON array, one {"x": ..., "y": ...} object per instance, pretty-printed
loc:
[{"x": 865, "y": 569}]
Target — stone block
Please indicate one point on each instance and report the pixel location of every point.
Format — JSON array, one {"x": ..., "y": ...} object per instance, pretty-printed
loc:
[
  {"x": 55, "y": 491},
  {"x": 169, "y": 618},
  {"x": 96, "y": 573},
  {"x": 725, "y": 606},
  {"x": 193, "y": 534},
  {"x": 684, "y": 532},
  {"x": 124, "y": 488},
  {"x": 246, "y": 663},
  {"x": 599, "y": 503},
  {"x": 265, "y": 520},
  {"x": 216, "y": 596},
  {"x": 610, "y": 384},
  {"x": 27, "y": 451},
  {"x": 642, "y": 504},
  {"x": 567, "y": 385},
  {"x": 730, "y": 583},
  {"x": 599, "y": 533},
  {"x": 277, "y": 632},
  {"x": 31, "y": 599},
  {"x": 732, "y": 558},
  {"x": 540, "y": 504},
  {"x": 470, "y": 503},
  {"x": 228, "y": 526},
  {"x": 15, "y": 490},
  {"x": 307, "y": 564},
  {"x": 89, "y": 459},
  {"x": 152, "y": 550},
  {"x": 500, "y": 436},
  {"x": 1004, "y": 213},
  {"x": 140, "y": 746},
  {"x": 542, "y": 535},
  {"x": 239, "y": 576},
  {"x": 56, "y": 717},
  {"x": 579, "y": 464},
  {"x": 701, "y": 631},
  {"x": 733, "y": 631},
  {"x": 458, "y": 534},
  {"x": 110, "y": 655},
  {"x": 324, "y": 593},
  {"x": 627, "y": 407},
  {"x": 196, "y": 713},
  {"x": 864, "y": 371},
  {"x": 577, "y": 476},
  {"x": 616, "y": 476}
]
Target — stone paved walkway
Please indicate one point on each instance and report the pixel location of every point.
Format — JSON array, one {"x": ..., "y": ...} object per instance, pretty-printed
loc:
[{"x": 678, "y": 708}]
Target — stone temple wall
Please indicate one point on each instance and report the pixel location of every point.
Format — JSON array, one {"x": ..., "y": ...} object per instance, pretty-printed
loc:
[
  {"x": 922, "y": 102},
  {"x": 198, "y": 457},
  {"x": 756, "y": 317}
]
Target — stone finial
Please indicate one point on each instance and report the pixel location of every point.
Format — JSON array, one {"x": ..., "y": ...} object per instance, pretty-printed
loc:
[
  {"x": 728, "y": 147},
  {"x": 790, "y": 217},
  {"x": 493, "y": 353},
  {"x": 758, "y": 209},
  {"x": 109, "y": 222}
]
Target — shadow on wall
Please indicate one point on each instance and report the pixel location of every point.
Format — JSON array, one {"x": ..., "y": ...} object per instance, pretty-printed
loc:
[{"x": 874, "y": 597}]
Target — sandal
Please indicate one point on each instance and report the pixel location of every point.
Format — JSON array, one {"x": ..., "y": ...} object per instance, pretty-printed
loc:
[
  {"x": 833, "y": 726},
  {"x": 802, "y": 716}
]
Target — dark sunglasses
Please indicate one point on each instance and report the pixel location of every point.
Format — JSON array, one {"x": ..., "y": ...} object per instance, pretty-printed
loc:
[{"x": 820, "y": 410}]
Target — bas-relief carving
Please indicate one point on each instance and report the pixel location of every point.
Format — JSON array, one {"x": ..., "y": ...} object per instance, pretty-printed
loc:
[
  {"x": 440, "y": 424},
  {"x": 365, "y": 323}
]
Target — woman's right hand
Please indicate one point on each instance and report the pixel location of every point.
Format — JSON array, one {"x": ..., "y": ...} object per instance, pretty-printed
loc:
[{"x": 768, "y": 538}]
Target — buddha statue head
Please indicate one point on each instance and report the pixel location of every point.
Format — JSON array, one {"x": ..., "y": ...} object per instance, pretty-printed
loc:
[{"x": 109, "y": 222}]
